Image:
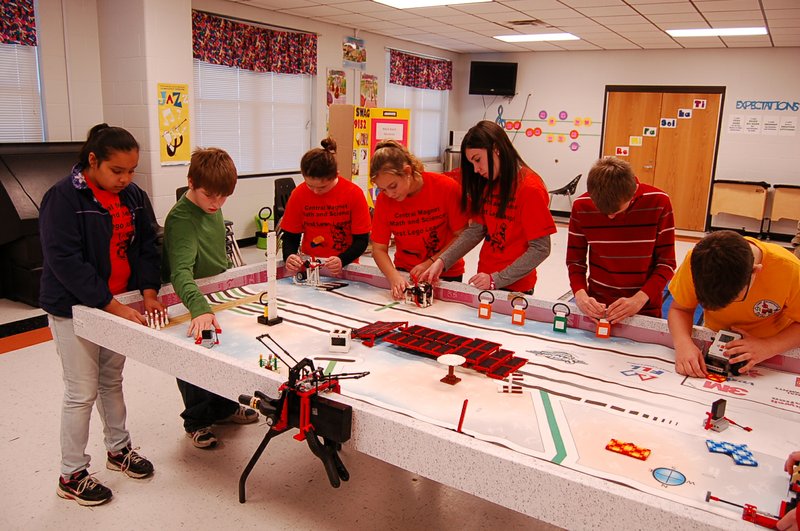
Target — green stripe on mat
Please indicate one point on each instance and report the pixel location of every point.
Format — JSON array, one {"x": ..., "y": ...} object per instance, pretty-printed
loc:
[{"x": 561, "y": 452}]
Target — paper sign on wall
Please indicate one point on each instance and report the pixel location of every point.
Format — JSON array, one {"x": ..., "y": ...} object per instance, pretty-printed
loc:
[
  {"x": 649, "y": 131},
  {"x": 622, "y": 151},
  {"x": 669, "y": 123},
  {"x": 699, "y": 104},
  {"x": 635, "y": 141},
  {"x": 173, "y": 124},
  {"x": 684, "y": 113}
]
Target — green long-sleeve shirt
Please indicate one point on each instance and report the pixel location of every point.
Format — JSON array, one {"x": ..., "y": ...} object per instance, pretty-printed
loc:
[{"x": 194, "y": 247}]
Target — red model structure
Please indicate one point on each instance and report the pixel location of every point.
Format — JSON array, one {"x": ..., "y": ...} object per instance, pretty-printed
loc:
[
  {"x": 486, "y": 357},
  {"x": 300, "y": 406}
]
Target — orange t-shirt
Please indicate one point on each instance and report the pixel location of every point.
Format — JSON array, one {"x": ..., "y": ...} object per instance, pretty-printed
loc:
[
  {"x": 527, "y": 217},
  {"x": 122, "y": 231},
  {"x": 773, "y": 300},
  {"x": 328, "y": 221},
  {"x": 422, "y": 224}
]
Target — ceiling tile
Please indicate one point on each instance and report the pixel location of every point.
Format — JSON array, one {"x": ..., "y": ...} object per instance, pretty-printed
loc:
[
  {"x": 607, "y": 11},
  {"x": 487, "y": 7},
  {"x": 524, "y": 5},
  {"x": 629, "y": 28},
  {"x": 726, "y": 5},
  {"x": 745, "y": 18},
  {"x": 789, "y": 40},
  {"x": 349, "y": 19},
  {"x": 593, "y": 3},
  {"x": 315, "y": 11},
  {"x": 753, "y": 40},
  {"x": 785, "y": 23},
  {"x": 783, "y": 13},
  {"x": 637, "y": 3},
  {"x": 601, "y": 24},
  {"x": 568, "y": 23},
  {"x": 281, "y": 4},
  {"x": 779, "y": 4},
  {"x": 365, "y": 6},
  {"x": 665, "y": 9},
  {"x": 608, "y": 21},
  {"x": 695, "y": 20}
]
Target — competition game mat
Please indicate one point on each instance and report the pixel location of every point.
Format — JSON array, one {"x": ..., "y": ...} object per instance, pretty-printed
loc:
[{"x": 575, "y": 396}]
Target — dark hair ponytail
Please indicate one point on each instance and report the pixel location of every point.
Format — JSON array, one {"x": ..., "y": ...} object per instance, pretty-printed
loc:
[
  {"x": 320, "y": 163},
  {"x": 103, "y": 139}
]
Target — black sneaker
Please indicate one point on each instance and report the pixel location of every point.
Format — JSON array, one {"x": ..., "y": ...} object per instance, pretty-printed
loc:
[
  {"x": 130, "y": 462},
  {"x": 84, "y": 489},
  {"x": 202, "y": 438}
]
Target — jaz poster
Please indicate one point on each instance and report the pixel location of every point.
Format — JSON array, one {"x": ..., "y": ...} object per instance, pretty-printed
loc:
[
  {"x": 173, "y": 123},
  {"x": 369, "y": 91}
]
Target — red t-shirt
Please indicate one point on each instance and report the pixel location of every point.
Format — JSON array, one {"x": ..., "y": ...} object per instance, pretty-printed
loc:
[
  {"x": 527, "y": 217},
  {"x": 122, "y": 232},
  {"x": 328, "y": 221},
  {"x": 422, "y": 224}
]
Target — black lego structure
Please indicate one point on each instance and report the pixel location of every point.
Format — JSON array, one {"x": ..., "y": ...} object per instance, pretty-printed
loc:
[{"x": 27, "y": 171}]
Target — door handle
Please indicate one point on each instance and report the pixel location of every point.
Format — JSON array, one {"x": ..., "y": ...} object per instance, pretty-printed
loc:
[{"x": 649, "y": 167}]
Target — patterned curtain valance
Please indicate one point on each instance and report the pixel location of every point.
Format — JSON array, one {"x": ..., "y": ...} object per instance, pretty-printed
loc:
[
  {"x": 17, "y": 23},
  {"x": 221, "y": 41},
  {"x": 420, "y": 72}
]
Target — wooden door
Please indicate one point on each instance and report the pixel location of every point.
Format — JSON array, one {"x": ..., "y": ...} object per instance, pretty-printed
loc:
[
  {"x": 686, "y": 157},
  {"x": 625, "y": 114},
  {"x": 680, "y": 158}
]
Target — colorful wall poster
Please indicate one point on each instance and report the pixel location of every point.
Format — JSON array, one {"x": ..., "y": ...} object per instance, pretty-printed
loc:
[
  {"x": 354, "y": 53},
  {"x": 337, "y": 87},
  {"x": 369, "y": 90},
  {"x": 173, "y": 123}
]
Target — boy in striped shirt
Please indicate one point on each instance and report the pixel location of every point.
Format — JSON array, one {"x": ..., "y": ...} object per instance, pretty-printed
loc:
[{"x": 626, "y": 229}]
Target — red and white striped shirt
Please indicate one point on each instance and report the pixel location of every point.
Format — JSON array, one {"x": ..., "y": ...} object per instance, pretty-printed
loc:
[{"x": 633, "y": 251}]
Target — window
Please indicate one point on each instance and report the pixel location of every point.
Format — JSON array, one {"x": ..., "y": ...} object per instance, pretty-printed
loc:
[
  {"x": 20, "y": 98},
  {"x": 428, "y": 118},
  {"x": 421, "y": 84},
  {"x": 261, "y": 118}
]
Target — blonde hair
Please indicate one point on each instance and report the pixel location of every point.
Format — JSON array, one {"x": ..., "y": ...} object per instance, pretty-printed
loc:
[{"x": 391, "y": 156}]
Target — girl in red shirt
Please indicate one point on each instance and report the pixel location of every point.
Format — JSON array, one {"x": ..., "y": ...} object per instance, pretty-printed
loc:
[
  {"x": 326, "y": 211},
  {"x": 420, "y": 209},
  {"x": 508, "y": 204}
]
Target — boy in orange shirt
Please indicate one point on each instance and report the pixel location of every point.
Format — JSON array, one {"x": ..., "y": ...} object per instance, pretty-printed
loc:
[{"x": 744, "y": 285}]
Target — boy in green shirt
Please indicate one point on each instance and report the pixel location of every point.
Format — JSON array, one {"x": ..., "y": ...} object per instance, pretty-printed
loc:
[{"x": 194, "y": 247}]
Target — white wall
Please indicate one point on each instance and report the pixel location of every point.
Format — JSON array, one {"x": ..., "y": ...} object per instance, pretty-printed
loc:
[{"x": 576, "y": 81}]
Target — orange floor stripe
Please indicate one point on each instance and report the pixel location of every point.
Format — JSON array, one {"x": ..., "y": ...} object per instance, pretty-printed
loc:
[{"x": 25, "y": 339}]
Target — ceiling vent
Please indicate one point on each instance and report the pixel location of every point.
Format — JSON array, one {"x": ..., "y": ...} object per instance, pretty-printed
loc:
[{"x": 533, "y": 22}]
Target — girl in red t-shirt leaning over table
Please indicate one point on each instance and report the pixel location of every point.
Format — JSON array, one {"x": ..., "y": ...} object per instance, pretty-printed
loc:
[
  {"x": 507, "y": 202},
  {"x": 329, "y": 213},
  {"x": 420, "y": 209}
]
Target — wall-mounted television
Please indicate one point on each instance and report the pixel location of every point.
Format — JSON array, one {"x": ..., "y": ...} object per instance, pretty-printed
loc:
[{"x": 492, "y": 78}]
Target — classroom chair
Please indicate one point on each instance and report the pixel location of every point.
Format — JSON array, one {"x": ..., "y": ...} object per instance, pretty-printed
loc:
[{"x": 567, "y": 190}]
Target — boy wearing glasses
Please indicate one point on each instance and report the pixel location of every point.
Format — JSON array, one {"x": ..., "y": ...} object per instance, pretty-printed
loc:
[{"x": 744, "y": 285}]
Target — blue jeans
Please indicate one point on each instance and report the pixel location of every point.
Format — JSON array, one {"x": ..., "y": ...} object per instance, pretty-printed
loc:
[{"x": 92, "y": 375}]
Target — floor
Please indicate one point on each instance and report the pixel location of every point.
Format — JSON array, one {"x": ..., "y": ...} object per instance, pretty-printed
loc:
[{"x": 197, "y": 489}]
